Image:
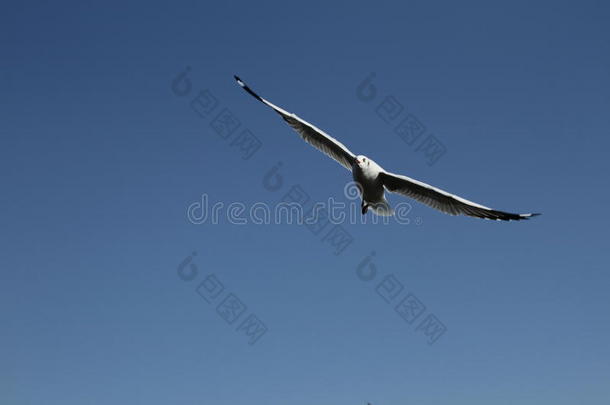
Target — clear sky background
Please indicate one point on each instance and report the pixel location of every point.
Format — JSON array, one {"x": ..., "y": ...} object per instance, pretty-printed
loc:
[{"x": 99, "y": 160}]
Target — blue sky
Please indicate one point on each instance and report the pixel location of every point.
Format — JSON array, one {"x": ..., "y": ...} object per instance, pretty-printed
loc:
[{"x": 100, "y": 159}]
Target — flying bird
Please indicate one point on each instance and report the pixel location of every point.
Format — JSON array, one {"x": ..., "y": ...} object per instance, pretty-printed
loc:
[{"x": 373, "y": 180}]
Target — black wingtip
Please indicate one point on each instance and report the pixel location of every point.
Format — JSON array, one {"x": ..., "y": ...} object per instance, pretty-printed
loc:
[
  {"x": 528, "y": 216},
  {"x": 248, "y": 89}
]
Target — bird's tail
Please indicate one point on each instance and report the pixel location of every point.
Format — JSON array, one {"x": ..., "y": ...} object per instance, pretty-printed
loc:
[{"x": 382, "y": 208}]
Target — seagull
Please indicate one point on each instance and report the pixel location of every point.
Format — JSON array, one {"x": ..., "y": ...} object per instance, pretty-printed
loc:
[{"x": 372, "y": 180}]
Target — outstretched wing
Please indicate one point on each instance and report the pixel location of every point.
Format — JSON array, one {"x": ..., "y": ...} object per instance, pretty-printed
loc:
[
  {"x": 442, "y": 200},
  {"x": 312, "y": 135}
]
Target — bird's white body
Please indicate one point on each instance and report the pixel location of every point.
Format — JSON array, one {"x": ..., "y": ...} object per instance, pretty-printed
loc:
[{"x": 365, "y": 173}]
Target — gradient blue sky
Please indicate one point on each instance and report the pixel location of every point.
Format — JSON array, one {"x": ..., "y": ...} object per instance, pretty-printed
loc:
[{"x": 99, "y": 161}]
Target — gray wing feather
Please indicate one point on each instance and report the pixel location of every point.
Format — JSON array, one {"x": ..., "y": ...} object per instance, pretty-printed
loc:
[
  {"x": 442, "y": 200},
  {"x": 310, "y": 134}
]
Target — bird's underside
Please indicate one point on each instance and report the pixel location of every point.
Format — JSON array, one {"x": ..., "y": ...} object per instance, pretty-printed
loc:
[{"x": 373, "y": 179}]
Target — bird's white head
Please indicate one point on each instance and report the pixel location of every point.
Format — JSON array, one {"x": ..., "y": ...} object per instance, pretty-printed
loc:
[
  {"x": 367, "y": 165},
  {"x": 362, "y": 160}
]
